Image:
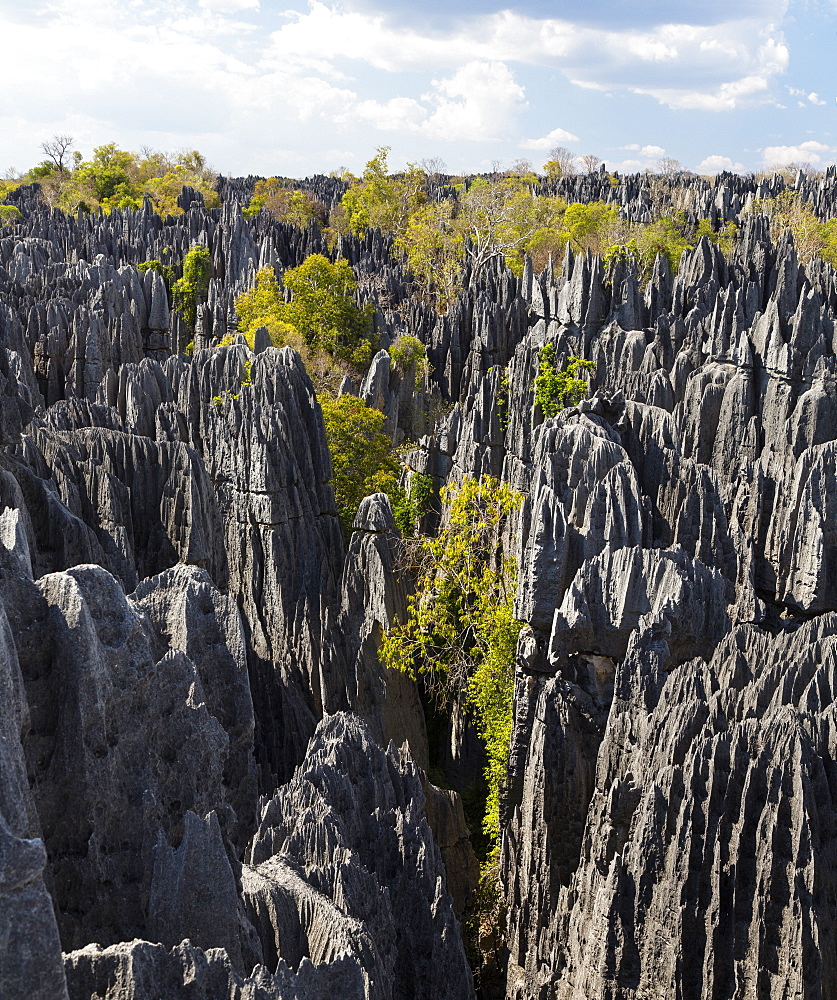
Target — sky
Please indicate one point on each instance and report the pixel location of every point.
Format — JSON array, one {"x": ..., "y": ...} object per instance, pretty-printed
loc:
[{"x": 308, "y": 86}]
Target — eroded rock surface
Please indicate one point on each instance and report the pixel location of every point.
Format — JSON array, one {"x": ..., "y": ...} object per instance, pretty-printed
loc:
[{"x": 199, "y": 796}]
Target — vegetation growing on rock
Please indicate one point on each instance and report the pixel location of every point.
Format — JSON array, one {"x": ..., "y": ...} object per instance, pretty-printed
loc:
[
  {"x": 554, "y": 389},
  {"x": 460, "y": 631}
]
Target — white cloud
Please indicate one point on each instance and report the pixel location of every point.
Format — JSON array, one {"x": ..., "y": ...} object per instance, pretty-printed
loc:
[
  {"x": 631, "y": 147},
  {"x": 816, "y": 153},
  {"x": 653, "y": 151},
  {"x": 814, "y": 98},
  {"x": 715, "y": 163},
  {"x": 229, "y": 6},
  {"x": 210, "y": 73},
  {"x": 477, "y": 103},
  {"x": 399, "y": 113},
  {"x": 553, "y": 138},
  {"x": 714, "y": 67},
  {"x": 752, "y": 88}
]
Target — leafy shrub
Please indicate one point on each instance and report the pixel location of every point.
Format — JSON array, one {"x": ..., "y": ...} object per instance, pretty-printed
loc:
[
  {"x": 278, "y": 196},
  {"x": 9, "y": 214},
  {"x": 555, "y": 390},
  {"x": 189, "y": 290},
  {"x": 322, "y": 312},
  {"x": 503, "y": 390},
  {"x": 166, "y": 270},
  {"x": 460, "y": 630},
  {"x": 114, "y": 178},
  {"x": 362, "y": 458},
  {"x": 409, "y": 355},
  {"x": 378, "y": 200}
]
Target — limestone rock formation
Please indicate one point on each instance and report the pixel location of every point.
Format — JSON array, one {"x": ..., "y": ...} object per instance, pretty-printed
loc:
[
  {"x": 209, "y": 786},
  {"x": 351, "y": 821}
]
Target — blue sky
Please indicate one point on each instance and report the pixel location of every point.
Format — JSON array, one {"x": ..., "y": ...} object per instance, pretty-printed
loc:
[{"x": 300, "y": 87}]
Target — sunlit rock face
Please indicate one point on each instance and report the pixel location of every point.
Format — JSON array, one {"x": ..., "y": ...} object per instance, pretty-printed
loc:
[{"x": 209, "y": 785}]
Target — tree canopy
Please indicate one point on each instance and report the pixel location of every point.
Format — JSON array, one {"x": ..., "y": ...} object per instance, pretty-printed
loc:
[
  {"x": 114, "y": 178},
  {"x": 362, "y": 460},
  {"x": 384, "y": 201},
  {"x": 286, "y": 203},
  {"x": 322, "y": 310}
]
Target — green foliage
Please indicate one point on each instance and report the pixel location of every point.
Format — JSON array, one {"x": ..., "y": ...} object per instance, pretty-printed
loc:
[
  {"x": 408, "y": 508},
  {"x": 197, "y": 267},
  {"x": 9, "y": 214},
  {"x": 811, "y": 237},
  {"x": 322, "y": 310},
  {"x": 667, "y": 236},
  {"x": 6, "y": 188},
  {"x": 362, "y": 458},
  {"x": 262, "y": 304},
  {"x": 555, "y": 390},
  {"x": 503, "y": 390},
  {"x": 191, "y": 289},
  {"x": 434, "y": 249},
  {"x": 166, "y": 270},
  {"x": 724, "y": 238},
  {"x": 278, "y": 196},
  {"x": 828, "y": 250},
  {"x": 421, "y": 493},
  {"x": 41, "y": 170},
  {"x": 460, "y": 629},
  {"x": 590, "y": 226},
  {"x": 409, "y": 355},
  {"x": 383, "y": 201},
  {"x": 491, "y": 692},
  {"x": 116, "y": 179},
  {"x": 621, "y": 252}
]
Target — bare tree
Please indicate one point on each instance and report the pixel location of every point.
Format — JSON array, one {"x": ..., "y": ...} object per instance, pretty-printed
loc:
[
  {"x": 435, "y": 168},
  {"x": 490, "y": 221},
  {"x": 591, "y": 163},
  {"x": 564, "y": 158},
  {"x": 521, "y": 166},
  {"x": 57, "y": 149},
  {"x": 668, "y": 166}
]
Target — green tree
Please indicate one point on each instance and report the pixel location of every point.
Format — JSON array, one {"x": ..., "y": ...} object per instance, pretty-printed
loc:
[
  {"x": 667, "y": 236},
  {"x": 492, "y": 220},
  {"x": 381, "y": 200},
  {"x": 9, "y": 214},
  {"x": 434, "y": 249},
  {"x": 409, "y": 355},
  {"x": 277, "y": 196},
  {"x": 263, "y": 306},
  {"x": 591, "y": 226},
  {"x": 116, "y": 179},
  {"x": 725, "y": 238},
  {"x": 324, "y": 310},
  {"x": 554, "y": 389},
  {"x": 191, "y": 289},
  {"x": 362, "y": 460}
]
